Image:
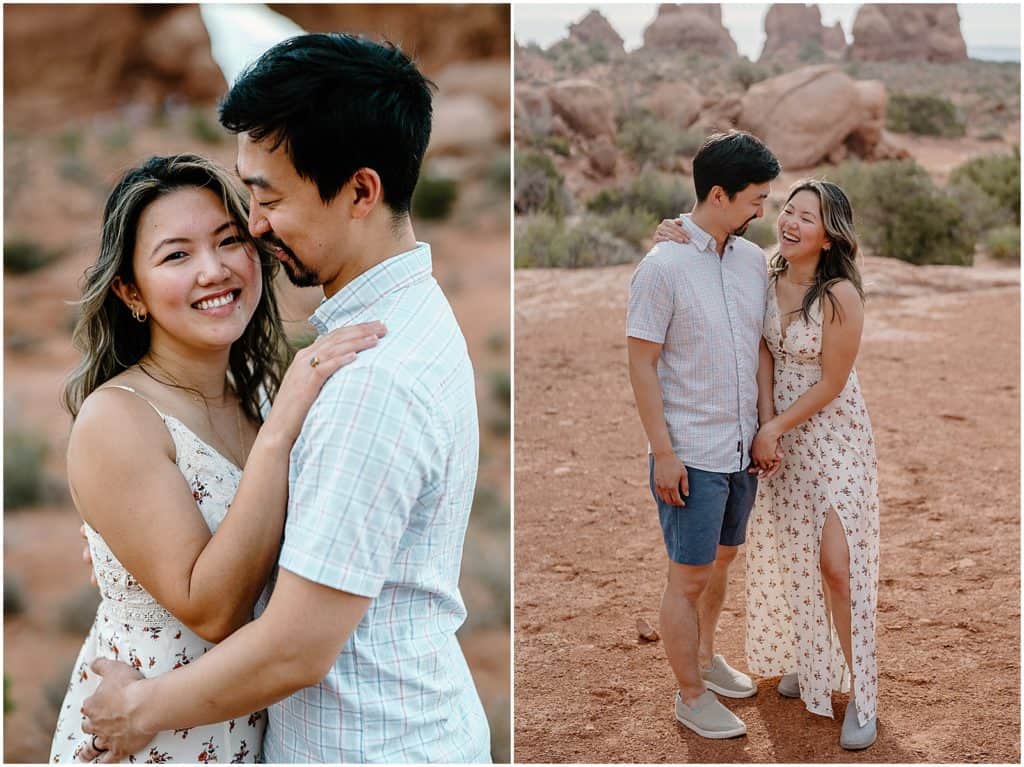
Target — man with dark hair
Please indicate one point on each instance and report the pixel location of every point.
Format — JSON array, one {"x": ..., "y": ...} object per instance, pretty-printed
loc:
[
  {"x": 355, "y": 653},
  {"x": 694, "y": 331}
]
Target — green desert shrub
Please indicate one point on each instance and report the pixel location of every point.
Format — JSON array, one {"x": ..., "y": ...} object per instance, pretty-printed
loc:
[
  {"x": 660, "y": 194},
  {"x": 539, "y": 187},
  {"x": 634, "y": 225},
  {"x": 499, "y": 172},
  {"x": 1004, "y": 243},
  {"x": 924, "y": 114},
  {"x": 22, "y": 256},
  {"x": 648, "y": 139},
  {"x": 14, "y": 595},
  {"x": 557, "y": 144},
  {"x": 980, "y": 214},
  {"x": 9, "y": 706},
  {"x": 24, "y": 477},
  {"x": 501, "y": 387},
  {"x": 598, "y": 52},
  {"x": 490, "y": 509},
  {"x": 746, "y": 72},
  {"x": 70, "y": 141},
  {"x": 434, "y": 197},
  {"x": 204, "y": 128},
  {"x": 762, "y": 231},
  {"x": 542, "y": 240},
  {"x": 811, "y": 52},
  {"x": 691, "y": 139},
  {"x": 900, "y": 213},
  {"x": 998, "y": 176}
]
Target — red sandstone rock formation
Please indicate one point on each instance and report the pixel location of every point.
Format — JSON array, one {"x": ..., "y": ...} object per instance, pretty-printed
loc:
[
  {"x": 899, "y": 32},
  {"x": 683, "y": 28},
  {"x": 594, "y": 29}
]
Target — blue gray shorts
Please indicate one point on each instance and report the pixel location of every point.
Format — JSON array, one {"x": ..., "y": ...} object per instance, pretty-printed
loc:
[{"x": 715, "y": 514}]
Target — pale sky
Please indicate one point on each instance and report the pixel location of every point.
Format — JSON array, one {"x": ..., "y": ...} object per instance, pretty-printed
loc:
[{"x": 982, "y": 24}]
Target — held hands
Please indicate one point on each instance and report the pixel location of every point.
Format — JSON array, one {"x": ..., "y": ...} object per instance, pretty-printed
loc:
[
  {"x": 111, "y": 734},
  {"x": 765, "y": 453},
  {"x": 311, "y": 367},
  {"x": 671, "y": 230},
  {"x": 670, "y": 480}
]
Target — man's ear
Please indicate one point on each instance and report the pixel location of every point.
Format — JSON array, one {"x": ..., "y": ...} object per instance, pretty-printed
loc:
[
  {"x": 717, "y": 195},
  {"x": 366, "y": 191}
]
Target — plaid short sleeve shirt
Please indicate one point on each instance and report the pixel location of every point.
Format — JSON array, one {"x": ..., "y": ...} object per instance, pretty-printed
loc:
[
  {"x": 707, "y": 313},
  {"x": 381, "y": 482}
]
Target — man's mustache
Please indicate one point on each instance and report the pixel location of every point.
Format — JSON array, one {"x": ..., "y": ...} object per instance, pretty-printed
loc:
[{"x": 274, "y": 242}]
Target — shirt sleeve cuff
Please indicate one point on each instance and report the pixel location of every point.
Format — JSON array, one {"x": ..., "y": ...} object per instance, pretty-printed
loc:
[{"x": 331, "y": 574}]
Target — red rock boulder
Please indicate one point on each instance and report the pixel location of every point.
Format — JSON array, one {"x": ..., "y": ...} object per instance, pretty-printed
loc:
[
  {"x": 585, "y": 107},
  {"x": 802, "y": 115}
]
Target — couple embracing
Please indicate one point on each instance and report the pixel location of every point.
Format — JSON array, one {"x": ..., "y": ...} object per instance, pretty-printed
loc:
[
  {"x": 183, "y": 476},
  {"x": 743, "y": 373}
]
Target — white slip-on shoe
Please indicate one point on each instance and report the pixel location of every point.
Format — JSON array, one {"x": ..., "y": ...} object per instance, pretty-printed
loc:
[
  {"x": 709, "y": 718},
  {"x": 789, "y": 686},
  {"x": 855, "y": 737},
  {"x": 727, "y": 681}
]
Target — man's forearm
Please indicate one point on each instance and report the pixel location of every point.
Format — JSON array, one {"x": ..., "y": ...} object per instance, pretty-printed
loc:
[
  {"x": 258, "y": 665},
  {"x": 649, "y": 404}
]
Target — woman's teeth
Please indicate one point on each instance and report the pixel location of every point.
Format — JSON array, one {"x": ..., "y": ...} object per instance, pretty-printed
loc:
[{"x": 213, "y": 303}]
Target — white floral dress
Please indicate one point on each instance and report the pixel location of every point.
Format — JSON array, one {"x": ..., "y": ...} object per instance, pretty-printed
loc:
[
  {"x": 131, "y": 626},
  {"x": 829, "y": 463}
]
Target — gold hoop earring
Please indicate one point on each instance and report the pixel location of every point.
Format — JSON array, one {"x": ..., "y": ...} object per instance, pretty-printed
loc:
[{"x": 138, "y": 315}]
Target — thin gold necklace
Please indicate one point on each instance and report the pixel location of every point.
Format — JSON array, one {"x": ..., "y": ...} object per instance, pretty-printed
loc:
[{"x": 197, "y": 396}]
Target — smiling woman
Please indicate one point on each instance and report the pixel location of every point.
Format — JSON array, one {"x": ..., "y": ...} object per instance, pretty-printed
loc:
[{"x": 178, "y": 338}]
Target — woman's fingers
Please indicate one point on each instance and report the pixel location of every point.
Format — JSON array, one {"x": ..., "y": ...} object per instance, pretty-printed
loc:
[
  {"x": 340, "y": 342},
  {"x": 671, "y": 230}
]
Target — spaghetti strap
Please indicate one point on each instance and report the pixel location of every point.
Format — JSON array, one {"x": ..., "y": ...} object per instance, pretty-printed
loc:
[{"x": 128, "y": 388}]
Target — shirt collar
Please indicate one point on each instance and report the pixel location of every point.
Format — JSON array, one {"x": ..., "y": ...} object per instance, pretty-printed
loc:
[
  {"x": 699, "y": 238},
  {"x": 369, "y": 287}
]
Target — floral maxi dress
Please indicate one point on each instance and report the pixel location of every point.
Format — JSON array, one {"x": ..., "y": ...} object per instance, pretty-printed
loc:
[
  {"x": 131, "y": 626},
  {"x": 828, "y": 463}
]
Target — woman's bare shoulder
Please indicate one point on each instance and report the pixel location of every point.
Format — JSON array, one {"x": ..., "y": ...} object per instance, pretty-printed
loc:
[
  {"x": 847, "y": 301},
  {"x": 119, "y": 423}
]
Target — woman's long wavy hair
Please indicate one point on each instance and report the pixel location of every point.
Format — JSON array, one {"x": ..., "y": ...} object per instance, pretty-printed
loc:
[
  {"x": 839, "y": 261},
  {"x": 111, "y": 341}
]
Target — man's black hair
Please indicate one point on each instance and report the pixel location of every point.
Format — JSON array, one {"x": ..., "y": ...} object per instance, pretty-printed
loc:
[
  {"x": 337, "y": 103},
  {"x": 733, "y": 161}
]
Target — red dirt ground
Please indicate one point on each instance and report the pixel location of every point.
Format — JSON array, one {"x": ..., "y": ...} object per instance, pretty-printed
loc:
[{"x": 940, "y": 370}]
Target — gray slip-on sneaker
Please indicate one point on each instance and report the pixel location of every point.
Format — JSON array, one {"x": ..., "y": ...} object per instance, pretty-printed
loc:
[
  {"x": 789, "y": 686},
  {"x": 727, "y": 681},
  {"x": 709, "y": 718},
  {"x": 855, "y": 737}
]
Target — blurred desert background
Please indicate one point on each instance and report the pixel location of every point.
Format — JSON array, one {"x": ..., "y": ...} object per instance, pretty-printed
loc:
[
  {"x": 920, "y": 124},
  {"x": 90, "y": 91}
]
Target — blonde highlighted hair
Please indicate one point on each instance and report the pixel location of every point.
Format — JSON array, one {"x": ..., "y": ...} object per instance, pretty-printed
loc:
[
  {"x": 838, "y": 262},
  {"x": 107, "y": 336}
]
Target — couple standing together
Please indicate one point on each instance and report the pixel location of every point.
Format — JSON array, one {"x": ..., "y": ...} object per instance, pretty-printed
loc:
[
  {"x": 744, "y": 370},
  {"x": 352, "y": 651}
]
